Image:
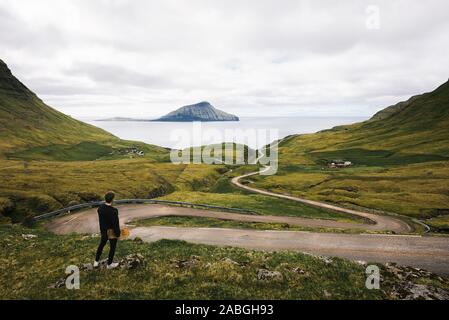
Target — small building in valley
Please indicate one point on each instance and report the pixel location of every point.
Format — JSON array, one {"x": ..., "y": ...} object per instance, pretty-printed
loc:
[{"x": 339, "y": 164}]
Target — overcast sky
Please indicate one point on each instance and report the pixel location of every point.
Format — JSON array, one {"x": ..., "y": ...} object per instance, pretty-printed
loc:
[{"x": 145, "y": 58}]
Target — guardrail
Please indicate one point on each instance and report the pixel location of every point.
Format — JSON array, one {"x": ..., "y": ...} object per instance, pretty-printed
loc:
[
  {"x": 94, "y": 204},
  {"x": 426, "y": 227}
]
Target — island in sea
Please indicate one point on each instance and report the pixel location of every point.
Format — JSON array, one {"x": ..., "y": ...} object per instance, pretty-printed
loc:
[{"x": 202, "y": 111}]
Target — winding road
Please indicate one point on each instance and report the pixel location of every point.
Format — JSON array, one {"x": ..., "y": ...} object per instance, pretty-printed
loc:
[
  {"x": 431, "y": 253},
  {"x": 380, "y": 223}
]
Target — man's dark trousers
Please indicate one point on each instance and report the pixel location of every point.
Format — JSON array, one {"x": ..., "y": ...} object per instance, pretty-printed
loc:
[{"x": 112, "y": 244}]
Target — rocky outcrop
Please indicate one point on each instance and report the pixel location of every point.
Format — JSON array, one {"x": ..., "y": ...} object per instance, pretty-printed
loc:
[
  {"x": 202, "y": 111},
  {"x": 405, "y": 284}
]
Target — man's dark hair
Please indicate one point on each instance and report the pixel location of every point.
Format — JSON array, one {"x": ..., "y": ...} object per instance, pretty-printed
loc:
[{"x": 109, "y": 197}]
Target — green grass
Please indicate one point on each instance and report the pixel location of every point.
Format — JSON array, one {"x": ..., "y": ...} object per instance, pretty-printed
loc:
[
  {"x": 178, "y": 221},
  {"x": 29, "y": 267},
  {"x": 415, "y": 190},
  {"x": 83, "y": 151},
  {"x": 260, "y": 204},
  {"x": 439, "y": 224},
  {"x": 35, "y": 187},
  {"x": 27, "y": 122},
  {"x": 199, "y": 222},
  {"x": 222, "y": 152},
  {"x": 89, "y": 151}
]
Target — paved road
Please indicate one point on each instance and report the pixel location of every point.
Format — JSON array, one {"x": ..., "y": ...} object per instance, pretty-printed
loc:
[
  {"x": 380, "y": 222},
  {"x": 86, "y": 221},
  {"x": 431, "y": 253}
]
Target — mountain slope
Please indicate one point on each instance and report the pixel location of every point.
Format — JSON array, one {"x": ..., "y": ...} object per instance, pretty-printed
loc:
[
  {"x": 202, "y": 111},
  {"x": 30, "y": 129},
  {"x": 418, "y": 126},
  {"x": 26, "y": 121},
  {"x": 400, "y": 160}
]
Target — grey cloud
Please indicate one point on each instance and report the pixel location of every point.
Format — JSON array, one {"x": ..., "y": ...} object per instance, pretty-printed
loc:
[
  {"x": 117, "y": 75},
  {"x": 53, "y": 87},
  {"x": 17, "y": 34},
  {"x": 144, "y": 57}
]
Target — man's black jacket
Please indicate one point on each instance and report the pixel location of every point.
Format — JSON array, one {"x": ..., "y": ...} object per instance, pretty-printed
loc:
[{"x": 108, "y": 218}]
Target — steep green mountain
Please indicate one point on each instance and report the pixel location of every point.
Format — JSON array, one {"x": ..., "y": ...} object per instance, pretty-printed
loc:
[
  {"x": 31, "y": 130},
  {"x": 413, "y": 131},
  {"x": 202, "y": 111},
  {"x": 26, "y": 121},
  {"x": 400, "y": 160}
]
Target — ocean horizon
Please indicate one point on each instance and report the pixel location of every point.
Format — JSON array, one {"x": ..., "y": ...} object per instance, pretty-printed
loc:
[{"x": 161, "y": 133}]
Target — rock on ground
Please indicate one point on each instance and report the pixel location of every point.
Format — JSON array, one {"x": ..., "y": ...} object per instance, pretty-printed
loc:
[
  {"x": 264, "y": 274},
  {"x": 28, "y": 236},
  {"x": 182, "y": 264}
]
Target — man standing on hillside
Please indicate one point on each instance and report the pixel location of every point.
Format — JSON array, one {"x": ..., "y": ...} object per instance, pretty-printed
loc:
[{"x": 109, "y": 228}]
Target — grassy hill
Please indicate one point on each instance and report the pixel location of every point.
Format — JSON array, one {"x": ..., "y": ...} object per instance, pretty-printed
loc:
[
  {"x": 30, "y": 129},
  {"x": 413, "y": 131},
  {"x": 49, "y": 160},
  {"x": 400, "y": 156},
  {"x": 26, "y": 121}
]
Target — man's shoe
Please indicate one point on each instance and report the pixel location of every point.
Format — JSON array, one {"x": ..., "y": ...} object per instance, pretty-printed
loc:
[
  {"x": 96, "y": 264},
  {"x": 112, "y": 265}
]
